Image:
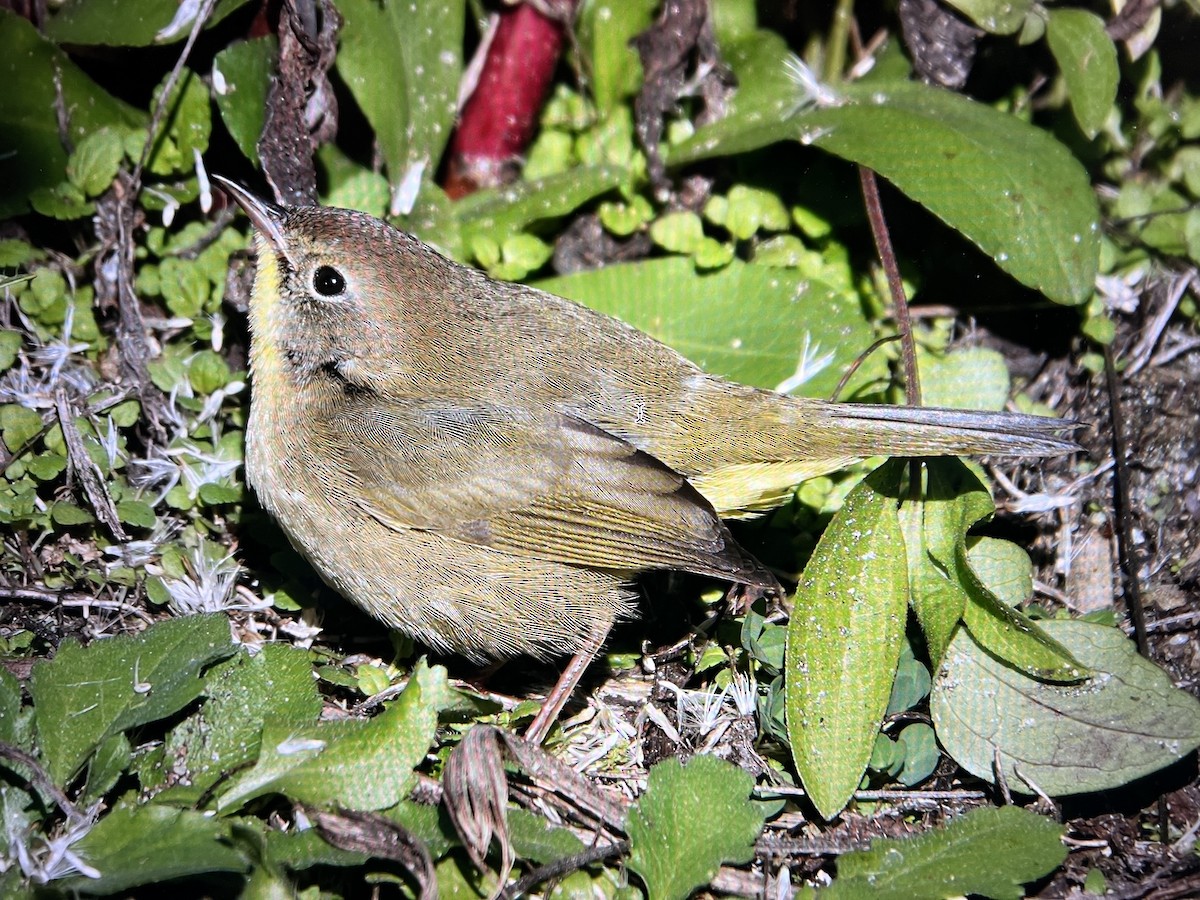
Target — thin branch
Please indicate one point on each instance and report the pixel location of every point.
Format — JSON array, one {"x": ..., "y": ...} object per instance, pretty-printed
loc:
[
  {"x": 561, "y": 867},
  {"x": 887, "y": 256}
]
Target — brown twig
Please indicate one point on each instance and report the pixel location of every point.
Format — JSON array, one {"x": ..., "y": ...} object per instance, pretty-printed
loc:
[
  {"x": 887, "y": 256},
  {"x": 72, "y": 600},
  {"x": 858, "y": 361},
  {"x": 561, "y": 867},
  {"x": 81, "y": 466},
  {"x": 1122, "y": 507},
  {"x": 41, "y": 779}
]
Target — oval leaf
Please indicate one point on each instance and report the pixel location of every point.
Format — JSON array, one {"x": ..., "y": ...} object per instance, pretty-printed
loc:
[
  {"x": 1087, "y": 59},
  {"x": 844, "y": 640},
  {"x": 1126, "y": 721}
]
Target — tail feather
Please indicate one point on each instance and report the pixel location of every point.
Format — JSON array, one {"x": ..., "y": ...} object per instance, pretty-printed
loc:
[{"x": 868, "y": 429}]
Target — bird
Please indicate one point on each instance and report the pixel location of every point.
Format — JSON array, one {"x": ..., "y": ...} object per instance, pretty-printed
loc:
[{"x": 484, "y": 466}]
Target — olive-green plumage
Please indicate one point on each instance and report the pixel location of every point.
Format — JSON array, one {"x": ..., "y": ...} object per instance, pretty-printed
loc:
[{"x": 482, "y": 465}]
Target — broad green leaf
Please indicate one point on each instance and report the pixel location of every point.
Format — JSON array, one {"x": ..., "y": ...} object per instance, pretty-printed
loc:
[
  {"x": 402, "y": 62},
  {"x": 148, "y": 844},
  {"x": 956, "y": 500},
  {"x": 1009, "y": 187},
  {"x": 1125, "y": 721},
  {"x": 1087, "y": 59},
  {"x": 604, "y": 31},
  {"x": 1003, "y": 567},
  {"x": 989, "y": 852},
  {"x": 535, "y": 839},
  {"x": 87, "y": 694},
  {"x": 691, "y": 819},
  {"x": 844, "y": 640},
  {"x": 995, "y": 16},
  {"x": 33, "y": 155},
  {"x": 129, "y": 23},
  {"x": 975, "y": 378},
  {"x": 10, "y": 707},
  {"x": 275, "y": 686},
  {"x": 759, "y": 325},
  {"x": 241, "y": 78},
  {"x": 357, "y": 764}
]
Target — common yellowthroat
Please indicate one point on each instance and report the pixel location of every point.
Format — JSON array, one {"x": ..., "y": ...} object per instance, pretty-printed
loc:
[{"x": 482, "y": 465}]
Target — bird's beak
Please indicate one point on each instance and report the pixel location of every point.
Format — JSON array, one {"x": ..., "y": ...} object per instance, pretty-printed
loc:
[{"x": 267, "y": 217}]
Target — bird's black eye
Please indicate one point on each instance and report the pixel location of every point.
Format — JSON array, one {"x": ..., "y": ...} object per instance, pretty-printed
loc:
[{"x": 328, "y": 281}]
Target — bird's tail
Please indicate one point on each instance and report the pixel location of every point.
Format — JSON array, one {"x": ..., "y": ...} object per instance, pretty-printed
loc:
[{"x": 811, "y": 438}]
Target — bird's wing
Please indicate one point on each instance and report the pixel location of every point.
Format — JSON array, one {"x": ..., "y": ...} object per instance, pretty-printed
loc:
[{"x": 534, "y": 483}]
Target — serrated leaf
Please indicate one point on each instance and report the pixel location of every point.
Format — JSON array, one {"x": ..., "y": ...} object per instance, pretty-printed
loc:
[
  {"x": 1010, "y": 188},
  {"x": 34, "y": 156},
  {"x": 93, "y": 164},
  {"x": 149, "y": 844},
  {"x": 989, "y": 852},
  {"x": 275, "y": 686},
  {"x": 758, "y": 325},
  {"x": 1087, "y": 58},
  {"x": 844, "y": 640},
  {"x": 87, "y": 694},
  {"x": 691, "y": 819},
  {"x": 245, "y": 75},
  {"x": 359, "y": 765},
  {"x": 402, "y": 62},
  {"x": 1126, "y": 721},
  {"x": 128, "y": 23}
]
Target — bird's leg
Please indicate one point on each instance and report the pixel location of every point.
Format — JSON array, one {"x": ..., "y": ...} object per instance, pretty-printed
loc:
[{"x": 565, "y": 686}]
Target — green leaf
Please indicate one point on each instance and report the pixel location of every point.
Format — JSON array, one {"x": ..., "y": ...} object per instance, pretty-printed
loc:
[
  {"x": 995, "y": 16},
  {"x": 241, "y": 77},
  {"x": 691, "y": 819},
  {"x": 10, "y": 346},
  {"x": 62, "y": 201},
  {"x": 1087, "y": 58},
  {"x": 93, "y": 165},
  {"x": 188, "y": 125},
  {"x": 275, "y": 686},
  {"x": 499, "y": 212},
  {"x": 87, "y": 694},
  {"x": 989, "y": 852},
  {"x": 18, "y": 425},
  {"x": 1003, "y": 567},
  {"x": 358, "y": 765},
  {"x": 137, "y": 513},
  {"x": 759, "y": 325},
  {"x": 956, "y": 500},
  {"x": 148, "y": 844},
  {"x": 33, "y": 155},
  {"x": 678, "y": 232},
  {"x": 65, "y": 513},
  {"x": 1010, "y": 188},
  {"x": 604, "y": 31},
  {"x": 535, "y": 839},
  {"x": 975, "y": 378},
  {"x": 402, "y": 62},
  {"x": 844, "y": 640},
  {"x": 921, "y": 754},
  {"x": 128, "y": 23},
  {"x": 1126, "y": 721}
]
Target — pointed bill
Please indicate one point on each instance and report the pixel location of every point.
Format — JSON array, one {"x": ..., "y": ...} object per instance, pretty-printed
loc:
[{"x": 267, "y": 217}]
